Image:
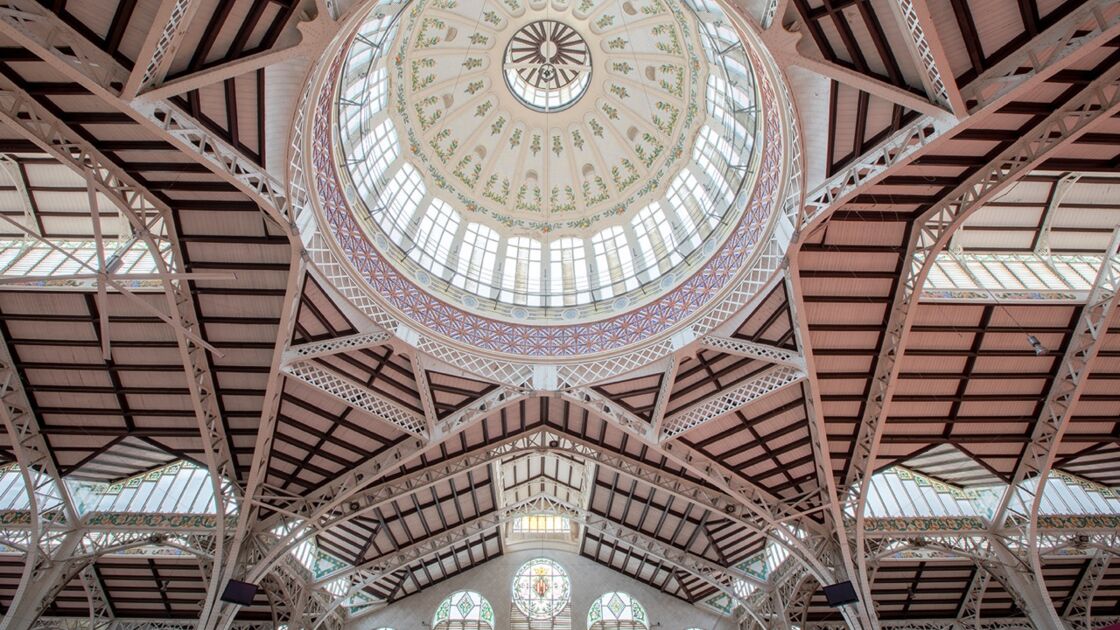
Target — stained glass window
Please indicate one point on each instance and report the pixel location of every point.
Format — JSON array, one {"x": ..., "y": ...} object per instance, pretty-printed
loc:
[
  {"x": 612, "y": 608},
  {"x": 541, "y": 588},
  {"x": 464, "y": 609}
]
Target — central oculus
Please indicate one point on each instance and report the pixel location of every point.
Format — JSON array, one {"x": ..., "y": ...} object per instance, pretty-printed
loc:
[{"x": 547, "y": 65}]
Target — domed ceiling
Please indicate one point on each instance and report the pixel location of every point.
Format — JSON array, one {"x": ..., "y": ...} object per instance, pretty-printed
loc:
[
  {"x": 471, "y": 100},
  {"x": 547, "y": 179}
]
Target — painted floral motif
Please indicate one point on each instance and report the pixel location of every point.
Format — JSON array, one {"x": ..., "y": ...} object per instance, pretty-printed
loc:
[{"x": 577, "y": 139}]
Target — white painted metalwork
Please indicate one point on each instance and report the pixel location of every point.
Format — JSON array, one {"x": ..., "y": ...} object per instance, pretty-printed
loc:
[
  {"x": 1065, "y": 42},
  {"x": 754, "y": 350},
  {"x": 746, "y": 499},
  {"x": 1061, "y": 188},
  {"x": 160, "y": 45},
  {"x": 727, "y": 400},
  {"x": 1038, "y": 460},
  {"x": 834, "y": 545},
  {"x": 35, "y": 27},
  {"x": 925, "y": 46},
  {"x": 358, "y": 396},
  {"x": 1100, "y": 99},
  {"x": 974, "y": 598},
  {"x": 1079, "y": 611},
  {"x": 335, "y": 345},
  {"x": 54, "y": 521},
  {"x": 664, "y": 391},
  {"x": 136, "y": 203},
  {"x": 722, "y": 578},
  {"x": 246, "y": 542},
  {"x": 100, "y": 610}
]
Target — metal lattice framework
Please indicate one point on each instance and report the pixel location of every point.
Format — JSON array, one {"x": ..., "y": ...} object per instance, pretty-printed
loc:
[{"x": 355, "y": 461}]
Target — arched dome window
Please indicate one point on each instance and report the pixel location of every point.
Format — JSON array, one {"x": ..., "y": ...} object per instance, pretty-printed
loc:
[
  {"x": 464, "y": 610},
  {"x": 617, "y": 611}
]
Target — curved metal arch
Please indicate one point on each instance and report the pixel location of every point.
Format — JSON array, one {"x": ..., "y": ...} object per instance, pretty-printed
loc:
[
  {"x": 739, "y": 497},
  {"x": 930, "y": 235},
  {"x": 136, "y": 204}
]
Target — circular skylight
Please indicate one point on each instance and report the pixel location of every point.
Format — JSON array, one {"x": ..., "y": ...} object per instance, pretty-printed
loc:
[{"x": 547, "y": 65}]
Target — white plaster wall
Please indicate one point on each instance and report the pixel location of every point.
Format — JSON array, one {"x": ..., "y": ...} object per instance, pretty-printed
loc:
[{"x": 589, "y": 580}]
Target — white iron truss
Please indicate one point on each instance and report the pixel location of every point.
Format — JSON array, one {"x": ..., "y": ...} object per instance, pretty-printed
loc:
[
  {"x": 136, "y": 203},
  {"x": 336, "y": 345},
  {"x": 54, "y": 531},
  {"x": 358, "y": 396},
  {"x": 925, "y": 46},
  {"x": 1066, "y": 41},
  {"x": 1079, "y": 611},
  {"x": 727, "y": 400},
  {"x": 39, "y": 30},
  {"x": 1019, "y": 506},
  {"x": 160, "y": 45},
  {"x": 1099, "y": 100}
]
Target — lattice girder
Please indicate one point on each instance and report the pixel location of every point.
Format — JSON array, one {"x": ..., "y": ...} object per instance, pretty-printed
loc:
[{"x": 1056, "y": 48}]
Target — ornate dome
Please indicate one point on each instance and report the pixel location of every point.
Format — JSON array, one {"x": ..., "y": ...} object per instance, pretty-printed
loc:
[{"x": 547, "y": 179}]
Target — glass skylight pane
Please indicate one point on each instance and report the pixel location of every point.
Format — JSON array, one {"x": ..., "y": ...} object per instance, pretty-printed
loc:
[
  {"x": 437, "y": 227},
  {"x": 407, "y": 190},
  {"x": 477, "y": 258},
  {"x": 522, "y": 271}
]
